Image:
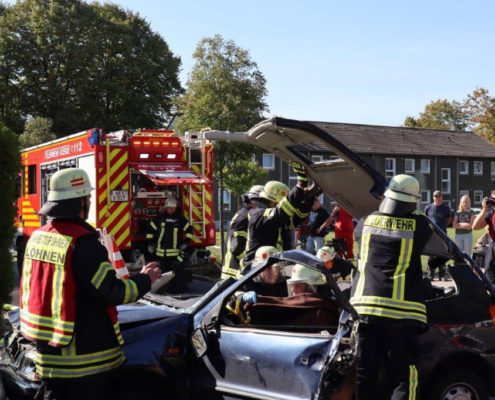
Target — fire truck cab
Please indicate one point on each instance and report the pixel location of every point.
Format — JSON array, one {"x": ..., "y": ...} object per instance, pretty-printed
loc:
[{"x": 133, "y": 174}]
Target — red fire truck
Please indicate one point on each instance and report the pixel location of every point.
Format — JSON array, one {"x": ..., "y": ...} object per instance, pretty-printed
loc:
[{"x": 133, "y": 174}]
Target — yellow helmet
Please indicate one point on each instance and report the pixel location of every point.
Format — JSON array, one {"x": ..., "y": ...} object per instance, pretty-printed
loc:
[
  {"x": 274, "y": 191},
  {"x": 403, "y": 188},
  {"x": 69, "y": 183},
  {"x": 264, "y": 252}
]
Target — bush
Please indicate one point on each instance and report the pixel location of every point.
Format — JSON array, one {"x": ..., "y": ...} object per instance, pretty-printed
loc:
[{"x": 9, "y": 169}]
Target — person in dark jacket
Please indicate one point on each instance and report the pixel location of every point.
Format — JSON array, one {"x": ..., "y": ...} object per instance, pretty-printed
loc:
[
  {"x": 278, "y": 211},
  {"x": 486, "y": 218},
  {"x": 319, "y": 220},
  {"x": 68, "y": 295},
  {"x": 387, "y": 292},
  {"x": 169, "y": 235},
  {"x": 237, "y": 235}
]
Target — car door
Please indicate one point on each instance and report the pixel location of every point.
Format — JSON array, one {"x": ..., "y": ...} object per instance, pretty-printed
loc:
[
  {"x": 253, "y": 363},
  {"x": 276, "y": 361}
]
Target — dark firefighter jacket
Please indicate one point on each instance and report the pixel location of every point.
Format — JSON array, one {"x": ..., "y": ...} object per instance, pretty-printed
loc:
[
  {"x": 266, "y": 225},
  {"x": 388, "y": 284},
  {"x": 168, "y": 232},
  {"x": 69, "y": 291},
  {"x": 236, "y": 243}
]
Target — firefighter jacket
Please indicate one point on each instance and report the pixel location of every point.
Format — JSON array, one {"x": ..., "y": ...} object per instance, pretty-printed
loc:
[
  {"x": 68, "y": 295},
  {"x": 236, "y": 243},
  {"x": 169, "y": 233},
  {"x": 267, "y": 225},
  {"x": 388, "y": 285}
]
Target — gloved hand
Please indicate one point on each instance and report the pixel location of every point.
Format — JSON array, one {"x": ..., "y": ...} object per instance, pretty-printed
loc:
[
  {"x": 312, "y": 192},
  {"x": 301, "y": 173},
  {"x": 250, "y": 297},
  {"x": 151, "y": 249}
]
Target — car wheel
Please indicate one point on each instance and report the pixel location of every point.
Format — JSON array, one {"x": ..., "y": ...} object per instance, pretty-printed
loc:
[{"x": 458, "y": 385}]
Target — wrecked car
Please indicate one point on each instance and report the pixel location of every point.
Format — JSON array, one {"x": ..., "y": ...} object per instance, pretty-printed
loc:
[{"x": 192, "y": 346}]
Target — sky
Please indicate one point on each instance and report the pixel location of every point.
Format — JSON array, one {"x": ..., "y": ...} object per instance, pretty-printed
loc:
[{"x": 367, "y": 62}]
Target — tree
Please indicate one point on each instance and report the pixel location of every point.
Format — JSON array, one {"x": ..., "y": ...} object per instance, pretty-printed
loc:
[
  {"x": 36, "y": 131},
  {"x": 83, "y": 65},
  {"x": 480, "y": 108},
  {"x": 225, "y": 91},
  {"x": 9, "y": 168},
  {"x": 440, "y": 114},
  {"x": 240, "y": 176}
]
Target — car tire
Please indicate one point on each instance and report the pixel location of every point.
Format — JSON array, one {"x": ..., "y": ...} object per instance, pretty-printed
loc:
[{"x": 459, "y": 385}]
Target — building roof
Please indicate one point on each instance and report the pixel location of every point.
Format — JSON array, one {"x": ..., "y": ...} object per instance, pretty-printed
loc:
[{"x": 376, "y": 139}]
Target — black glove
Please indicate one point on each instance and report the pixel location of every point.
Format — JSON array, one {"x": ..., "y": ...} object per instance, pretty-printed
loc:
[
  {"x": 312, "y": 192},
  {"x": 300, "y": 170}
]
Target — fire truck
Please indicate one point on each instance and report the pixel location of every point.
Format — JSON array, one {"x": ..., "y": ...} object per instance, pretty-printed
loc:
[{"x": 133, "y": 174}]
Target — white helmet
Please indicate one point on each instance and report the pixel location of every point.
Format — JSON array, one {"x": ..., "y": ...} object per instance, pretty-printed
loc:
[
  {"x": 69, "y": 183},
  {"x": 255, "y": 191},
  {"x": 325, "y": 253},
  {"x": 263, "y": 253},
  {"x": 303, "y": 274},
  {"x": 403, "y": 188},
  {"x": 274, "y": 191},
  {"x": 171, "y": 202}
]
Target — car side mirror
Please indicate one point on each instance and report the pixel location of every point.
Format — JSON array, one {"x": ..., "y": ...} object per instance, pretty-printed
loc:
[{"x": 198, "y": 341}]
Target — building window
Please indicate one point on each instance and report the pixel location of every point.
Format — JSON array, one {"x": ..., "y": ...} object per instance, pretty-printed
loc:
[
  {"x": 226, "y": 199},
  {"x": 478, "y": 196},
  {"x": 317, "y": 159},
  {"x": 492, "y": 170},
  {"x": 463, "y": 167},
  {"x": 463, "y": 193},
  {"x": 409, "y": 166},
  {"x": 425, "y": 197},
  {"x": 446, "y": 180},
  {"x": 389, "y": 168},
  {"x": 425, "y": 166},
  {"x": 268, "y": 161},
  {"x": 478, "y": 167},
  {"x": 32, "y": 179}
]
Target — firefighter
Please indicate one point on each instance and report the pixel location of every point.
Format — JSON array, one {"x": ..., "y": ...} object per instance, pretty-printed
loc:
[
  {"x": 68, "y": 295},
  {"x": 387, "y": 292},
  {"x": 278, "y": 211},
  {"x": 169, "y": 235},
  {"x": 237, "y": 236}
]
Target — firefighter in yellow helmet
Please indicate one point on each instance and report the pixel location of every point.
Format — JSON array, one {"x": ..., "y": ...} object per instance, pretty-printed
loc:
[
  {"x": 279, "y": 210},
  {"x": 387, "y": 292},
  {"x": 69, "y": 291},
  {"x": 237, "y": 235},
  {"x": 169, "y": 235}
]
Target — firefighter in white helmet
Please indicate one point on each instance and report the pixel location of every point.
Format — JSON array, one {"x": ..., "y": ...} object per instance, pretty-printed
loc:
[
  {"x": 304, "y": 280},
  {"x": 387, "y": 292},
  {"x": 339, "y": 267},
  {"x": 169, "y": 235},
  {"x": 279, "y": 210},
  {"x": 237, "y": 235},
  {"x": 75, "y": 328}
]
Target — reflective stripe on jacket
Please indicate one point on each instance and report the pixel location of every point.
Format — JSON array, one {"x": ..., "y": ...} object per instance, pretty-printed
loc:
[
  {"x": 389, "y": 280},
  {"x": 236, "y": 244}
]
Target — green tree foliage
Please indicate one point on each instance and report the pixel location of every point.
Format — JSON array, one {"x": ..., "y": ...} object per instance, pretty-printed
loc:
[
  {"x": 225, "y": 91},
  {"x": 36, "y": 131},
  {"x": 83, "y": 65},
  {"x": 440, "y": 114},
  {"x": 240, "y": 176},
  {"x": 480, "y": 107},
  {"x": 9, "y": 168}
]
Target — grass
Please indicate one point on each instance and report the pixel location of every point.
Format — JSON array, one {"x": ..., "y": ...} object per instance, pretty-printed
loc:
[{"x": 215, "y": 250}]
